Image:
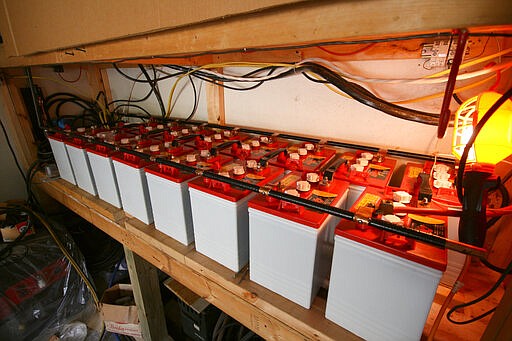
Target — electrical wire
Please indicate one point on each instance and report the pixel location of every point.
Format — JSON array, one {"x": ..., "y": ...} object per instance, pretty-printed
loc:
[
  {"x": 423, "y": 80},
  {"x": 148, "y": 114},
  {"x": 479, "y": 299},
  {"x": 66, "y": 253},
  {"x": 471, "y": 63},
  {"x": 71, "y": 81},
  {"x": 196, "y": 100},
  {"x": 471, "y": 141},
  {"x": 457, "y": 285},
  {"x": 440, "y": 94},
  {"x": 367, "y": 47},
  {"x": 22, "y": 173},
  {"x": 153, "y": 83},
  {"x": 363, "y": 96}
]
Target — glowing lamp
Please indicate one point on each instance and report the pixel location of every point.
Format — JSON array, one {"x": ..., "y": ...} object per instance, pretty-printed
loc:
[{"x": 494, "y": 142}]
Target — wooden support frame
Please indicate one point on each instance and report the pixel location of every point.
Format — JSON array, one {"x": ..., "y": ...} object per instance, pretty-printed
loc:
[
  {"x": 17, "y": 123},
  {"x": 146, "y": 292}
]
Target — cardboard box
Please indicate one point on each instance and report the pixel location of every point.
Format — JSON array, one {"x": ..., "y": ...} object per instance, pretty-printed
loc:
[
  {"x": 120, "y": 318},
  {"x": 37, "y": 26}
]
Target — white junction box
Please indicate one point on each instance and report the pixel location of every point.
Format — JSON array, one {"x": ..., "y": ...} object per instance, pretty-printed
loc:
[
  {"x": 220, "y": 216},
  {"x": 290, "y": 246},
  {"x": 102, "y": 166},
  {"x": 81, "y": 167},
  {"x": 133, "y": 186},
  {"x": 61, "y": 157},
  {"x": 377, "y": 292}
]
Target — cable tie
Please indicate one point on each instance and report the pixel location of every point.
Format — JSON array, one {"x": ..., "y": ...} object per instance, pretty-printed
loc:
[
  {"x": 361, "y": 219},
  {"x": 265, "y": 190}
]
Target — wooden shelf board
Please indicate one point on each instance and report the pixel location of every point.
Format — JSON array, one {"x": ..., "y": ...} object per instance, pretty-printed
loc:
[{"x": 303, "y": 23}]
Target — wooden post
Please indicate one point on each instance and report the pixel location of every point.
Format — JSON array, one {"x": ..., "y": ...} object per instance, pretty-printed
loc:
[
  {"x": 16, "y": 123},
  {"x": 215, "y": 103},
  {"x": 146, "y": 291},
  {"x": 500, "y": 326}
]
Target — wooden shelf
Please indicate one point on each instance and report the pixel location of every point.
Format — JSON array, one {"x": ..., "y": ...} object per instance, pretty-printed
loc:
[{"x": 264, "y": 312}]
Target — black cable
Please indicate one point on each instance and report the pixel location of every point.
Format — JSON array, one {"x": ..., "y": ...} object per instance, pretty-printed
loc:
[
  {"x": 354, "y": 90},
  {"x": 12, "y": 152},
  {"x": 492, "y": 266},
  {"x": 314, "y": 79},
  {"x": 196, "y": 100},
  {"x": 220, "y": 81},
  {"x": 133, "y": 100},
  {"x": 471, "y": 141},
  {"x": 153, "y": 84},
  {"x": 457, "y": 99},
  {"x": 365, "y": 97},
  {"x": 134, "y": 106},
  {"x": 479, "y": 299},
  {"x": 139, "y": 80},
  {"x": 31, "y": 85},
  {"x": 28, "y": 184}
]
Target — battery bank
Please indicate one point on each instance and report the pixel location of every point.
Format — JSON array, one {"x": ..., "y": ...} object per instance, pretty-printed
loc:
[
  {"x": 131, "y": 177},
  {"x": 61, "y": 156},
  {"x": 169, "y": 193},
  {"x": 77, "y": 151},
  {"x": 381, "y": 285},
  {"x": 220, "y": 216},
  {"x": 291, "y": 246}
]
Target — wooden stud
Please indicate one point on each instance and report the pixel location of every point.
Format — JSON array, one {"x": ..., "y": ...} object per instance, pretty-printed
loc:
[
  {"x": 146, "y": 291},
  {"x": 15, "y": 120},
  {"x": 500, "y": 326},
  {"x": 215, "y": 103}
]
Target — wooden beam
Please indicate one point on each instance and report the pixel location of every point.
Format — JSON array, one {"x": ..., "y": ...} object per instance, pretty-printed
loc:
[
  {"x": 307, "y": 22},
  {"x": 500, "y": 326},
  {"x": 15, "y": 119},
  {"x": 146, "y": 292},
  {"x": 215, "y": 103}
]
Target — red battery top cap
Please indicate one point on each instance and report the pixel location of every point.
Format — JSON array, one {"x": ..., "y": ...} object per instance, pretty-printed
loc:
[
  {"x": 227, "y": 192},
  {"x": 363, "y": 169},
  {"x": 293, "y": 184},
  {"x": 305, "y": 157},
  {"x": 394, "y": 244}
]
